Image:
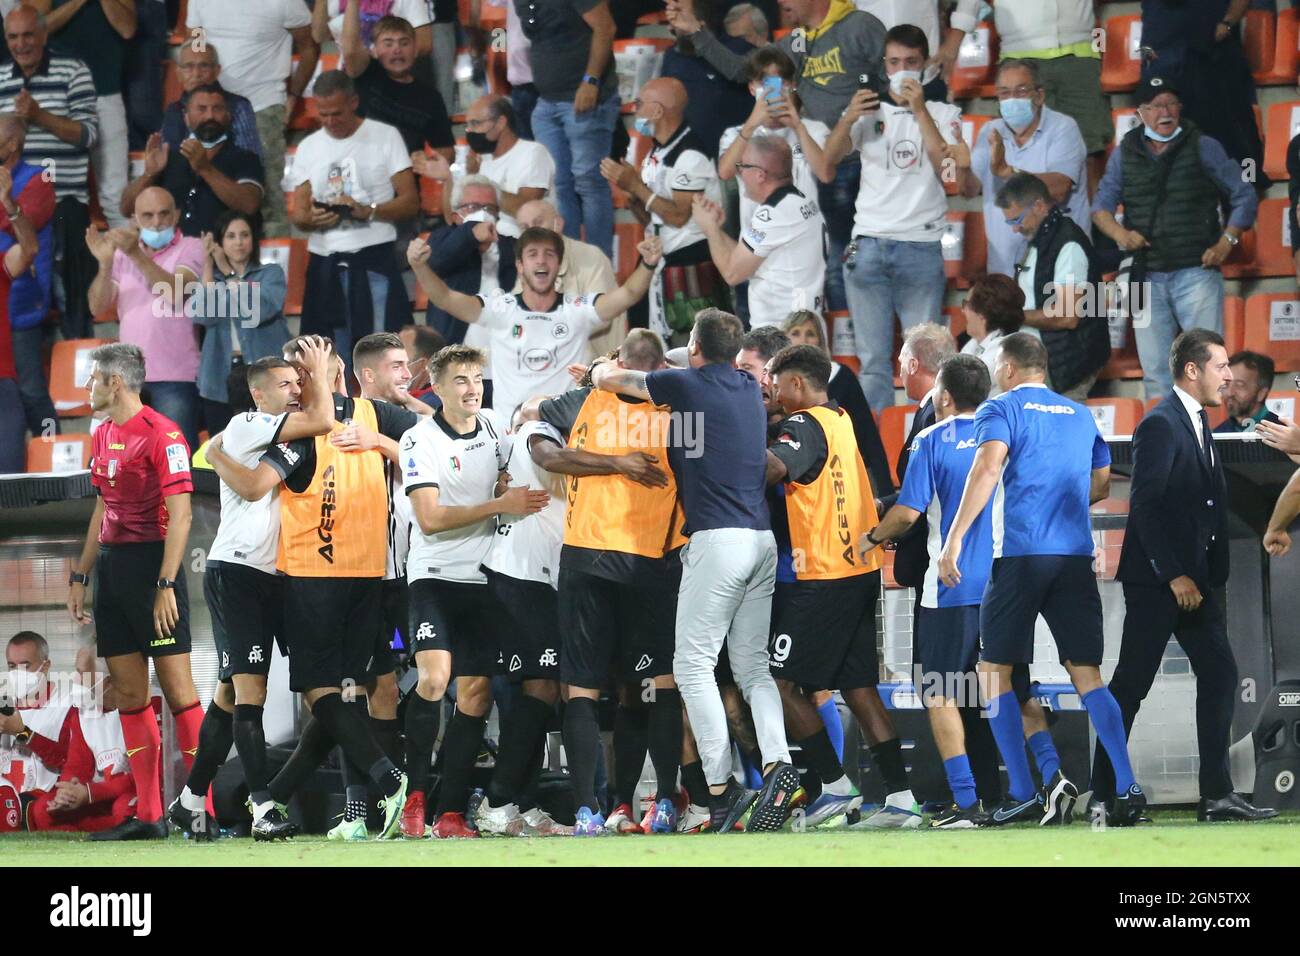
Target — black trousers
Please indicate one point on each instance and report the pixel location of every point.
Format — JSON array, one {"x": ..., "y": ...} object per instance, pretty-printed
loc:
[{"x": 1151, "y": 615}]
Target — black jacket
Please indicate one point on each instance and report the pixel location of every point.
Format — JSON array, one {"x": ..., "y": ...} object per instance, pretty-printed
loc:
[
  {"x": 911, "y": 552},
  {"x": 1178, "y": 508},
  {"x": 454, "y": 256}
]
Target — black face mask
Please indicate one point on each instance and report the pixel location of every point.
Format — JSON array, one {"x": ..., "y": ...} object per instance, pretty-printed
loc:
[{"x": 480, "y": 144}]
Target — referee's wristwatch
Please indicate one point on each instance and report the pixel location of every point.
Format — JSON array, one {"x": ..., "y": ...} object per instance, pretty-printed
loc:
[
  {"x": 166, "y": 583},
  {"x": 76, "y": 577}
]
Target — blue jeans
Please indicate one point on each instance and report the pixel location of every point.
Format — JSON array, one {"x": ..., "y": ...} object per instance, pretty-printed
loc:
[
  {"x": 577, "y": 143},
  {"x": 1185, "y": 299},
  {"x": 180, "y": 402},
  {"x": 890, "y": 278},
  {"x": 343, "y": 343},
  {"x": 838, "y": 200},
  {"x": 524, "y": 99},
  {"x": 13, "y": 431},
  {"x": 38, "y": 409}
]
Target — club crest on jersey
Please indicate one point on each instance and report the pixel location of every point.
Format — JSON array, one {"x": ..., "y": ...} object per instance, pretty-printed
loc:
[
  {"x": 112, "y": 468},
  {"x": 560, "y": 330}
]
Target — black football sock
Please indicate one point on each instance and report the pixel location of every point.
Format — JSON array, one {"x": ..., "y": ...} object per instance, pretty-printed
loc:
[
  {"x": 581, "y": 743},
  {"x": 521, "y": 735},
  {"x": 532, "y": 776},
  {"x": 697, "y": 787},
  {"x": 216, "y": 736},
  {"x": 666, "y": 740},
  {"x": 388, "y": 734},
  {"x": 460, "y": 750},
  {"x": 824, "y": 765},
  {"x": 423, "y": 718},
  {"x": 888, "y": 755},
  {"x": 354, "y": 778},
  {"x": 346, "y": 725},
  {"x": 631, "y": 740},
  {"x": 313, "y": 747},
  {"x": 250, "y": 744}
]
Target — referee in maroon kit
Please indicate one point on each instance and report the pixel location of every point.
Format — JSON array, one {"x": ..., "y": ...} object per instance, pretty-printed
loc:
[{"x": 140, "y": 467}]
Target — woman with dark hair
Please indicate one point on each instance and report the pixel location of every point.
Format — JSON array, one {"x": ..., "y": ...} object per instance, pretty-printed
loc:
[
  {"x": 241, "y": 307},
  {"x": 994, "y": 308},
  {"x": 808, "y": 328}
]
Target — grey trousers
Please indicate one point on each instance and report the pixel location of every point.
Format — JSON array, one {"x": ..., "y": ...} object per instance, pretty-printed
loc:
[{"x": 728, "y": 576}]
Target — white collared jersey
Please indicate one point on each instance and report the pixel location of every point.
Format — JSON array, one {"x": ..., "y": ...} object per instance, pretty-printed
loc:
[
  {"x": 399, "y": 524},
  {"x": 249, "y": 530},
  {"x": 531, "y": 351},
  {"x": 527, "y": 547},
  {"x": 464, "y": 469},
  {"x": 788, "y": 233}
]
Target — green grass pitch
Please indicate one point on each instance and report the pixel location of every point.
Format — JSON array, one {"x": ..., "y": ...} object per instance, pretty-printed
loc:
[{"x": 1175, "y": 839}]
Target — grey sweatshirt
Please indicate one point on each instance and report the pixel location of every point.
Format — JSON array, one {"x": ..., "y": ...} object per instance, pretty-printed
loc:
[{"x": 828, "y": 66}]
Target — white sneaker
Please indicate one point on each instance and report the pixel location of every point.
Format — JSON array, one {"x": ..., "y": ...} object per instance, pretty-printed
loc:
[
  {"x": 694, "y": 819},
  {"x": 900, "y": 811},
  {"x": 500, "y": 821},
  {"x": 540, "y": 823}
]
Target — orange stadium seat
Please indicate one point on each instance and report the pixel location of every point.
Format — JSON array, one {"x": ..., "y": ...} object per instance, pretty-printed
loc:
[
  {"x": 1234, "y": 323},
  {"x": 1116, "y": 416},
  {"x": 839, "y": 327},
  {"x": 1283, "y": 404},
  {"x": 58, "y": 453},
  {"x": 172, "y": 89},
  {"x": 1265, "y": 250},
  {"x": 627, "y": 235},
  {"x": 1123, "y": 121},
  {"x": 1271, "y": 43},
  {"x": 69, "y": 368},
  {"x": 895, "y": 423},
  {"x": 1272, "y": 326},
  {"x": 965, "y": 248},
  {"x": 1123, "y": 362},
  {"x": 1121, "y": 63},
  {"x": 976, "y": 67},
  {"x": 956, "y": 319},
  {"x": 291, "y": 254},
  {"x": 1283, "y": 122}
]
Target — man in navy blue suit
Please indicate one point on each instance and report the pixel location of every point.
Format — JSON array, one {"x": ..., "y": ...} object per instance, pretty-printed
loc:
[{"x": 1174, "y": 566}]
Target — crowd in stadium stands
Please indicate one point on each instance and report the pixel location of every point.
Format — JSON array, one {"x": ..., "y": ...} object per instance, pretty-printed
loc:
[{"x": 305, "y": 196}]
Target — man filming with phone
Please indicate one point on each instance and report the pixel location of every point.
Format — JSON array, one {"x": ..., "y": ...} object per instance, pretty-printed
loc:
[{"x": 909, "y": 147}]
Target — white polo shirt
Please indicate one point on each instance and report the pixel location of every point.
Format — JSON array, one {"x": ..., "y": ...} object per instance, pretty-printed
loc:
[{"x": 788, "y": 232}]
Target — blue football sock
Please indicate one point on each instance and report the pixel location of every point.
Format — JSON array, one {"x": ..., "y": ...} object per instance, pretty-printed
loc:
[
  {"x": 1009, "y": 731},
  {"x": 1043, "y": 748},
  {"x": 960, "y": 780},
  {"x": 1104, "y": 712},
  {"x": 830, "y": 715}
]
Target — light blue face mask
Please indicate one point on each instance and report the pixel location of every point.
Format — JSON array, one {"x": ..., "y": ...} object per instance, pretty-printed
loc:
[
  {"x": 1018, "y": 113},
  {"x": 1160, "y": 138},
  {"x": 644, "y": 126},
  {"x": 157, "y": 238}
]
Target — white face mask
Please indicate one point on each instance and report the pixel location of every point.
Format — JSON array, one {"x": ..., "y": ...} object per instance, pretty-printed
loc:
[
  {"x": 480, "y": 215},
  {"x": 896, "y": 80},
  {"x": 24, "y": 683}
]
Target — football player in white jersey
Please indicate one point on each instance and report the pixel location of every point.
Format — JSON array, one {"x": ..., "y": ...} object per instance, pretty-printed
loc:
[
  {"x": 241, "y": 587},
  {"x": 539, "y": 333},
  {"x": 451, "y": 464}
]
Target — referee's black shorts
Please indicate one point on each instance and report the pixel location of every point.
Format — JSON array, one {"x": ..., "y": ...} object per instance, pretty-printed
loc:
[
  {"x": 330, "y": 625},
  {"x": 247, "y": 608},
  {"x": 126, "y": 583}
]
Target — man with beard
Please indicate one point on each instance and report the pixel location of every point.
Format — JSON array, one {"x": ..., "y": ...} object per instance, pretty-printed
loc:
[
  {"x": 208, "y": 173},
  {"x": 539, "y": 333}
]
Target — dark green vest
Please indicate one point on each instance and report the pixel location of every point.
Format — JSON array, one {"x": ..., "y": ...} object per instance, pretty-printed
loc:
[{"x": 1187, "y": 222}]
